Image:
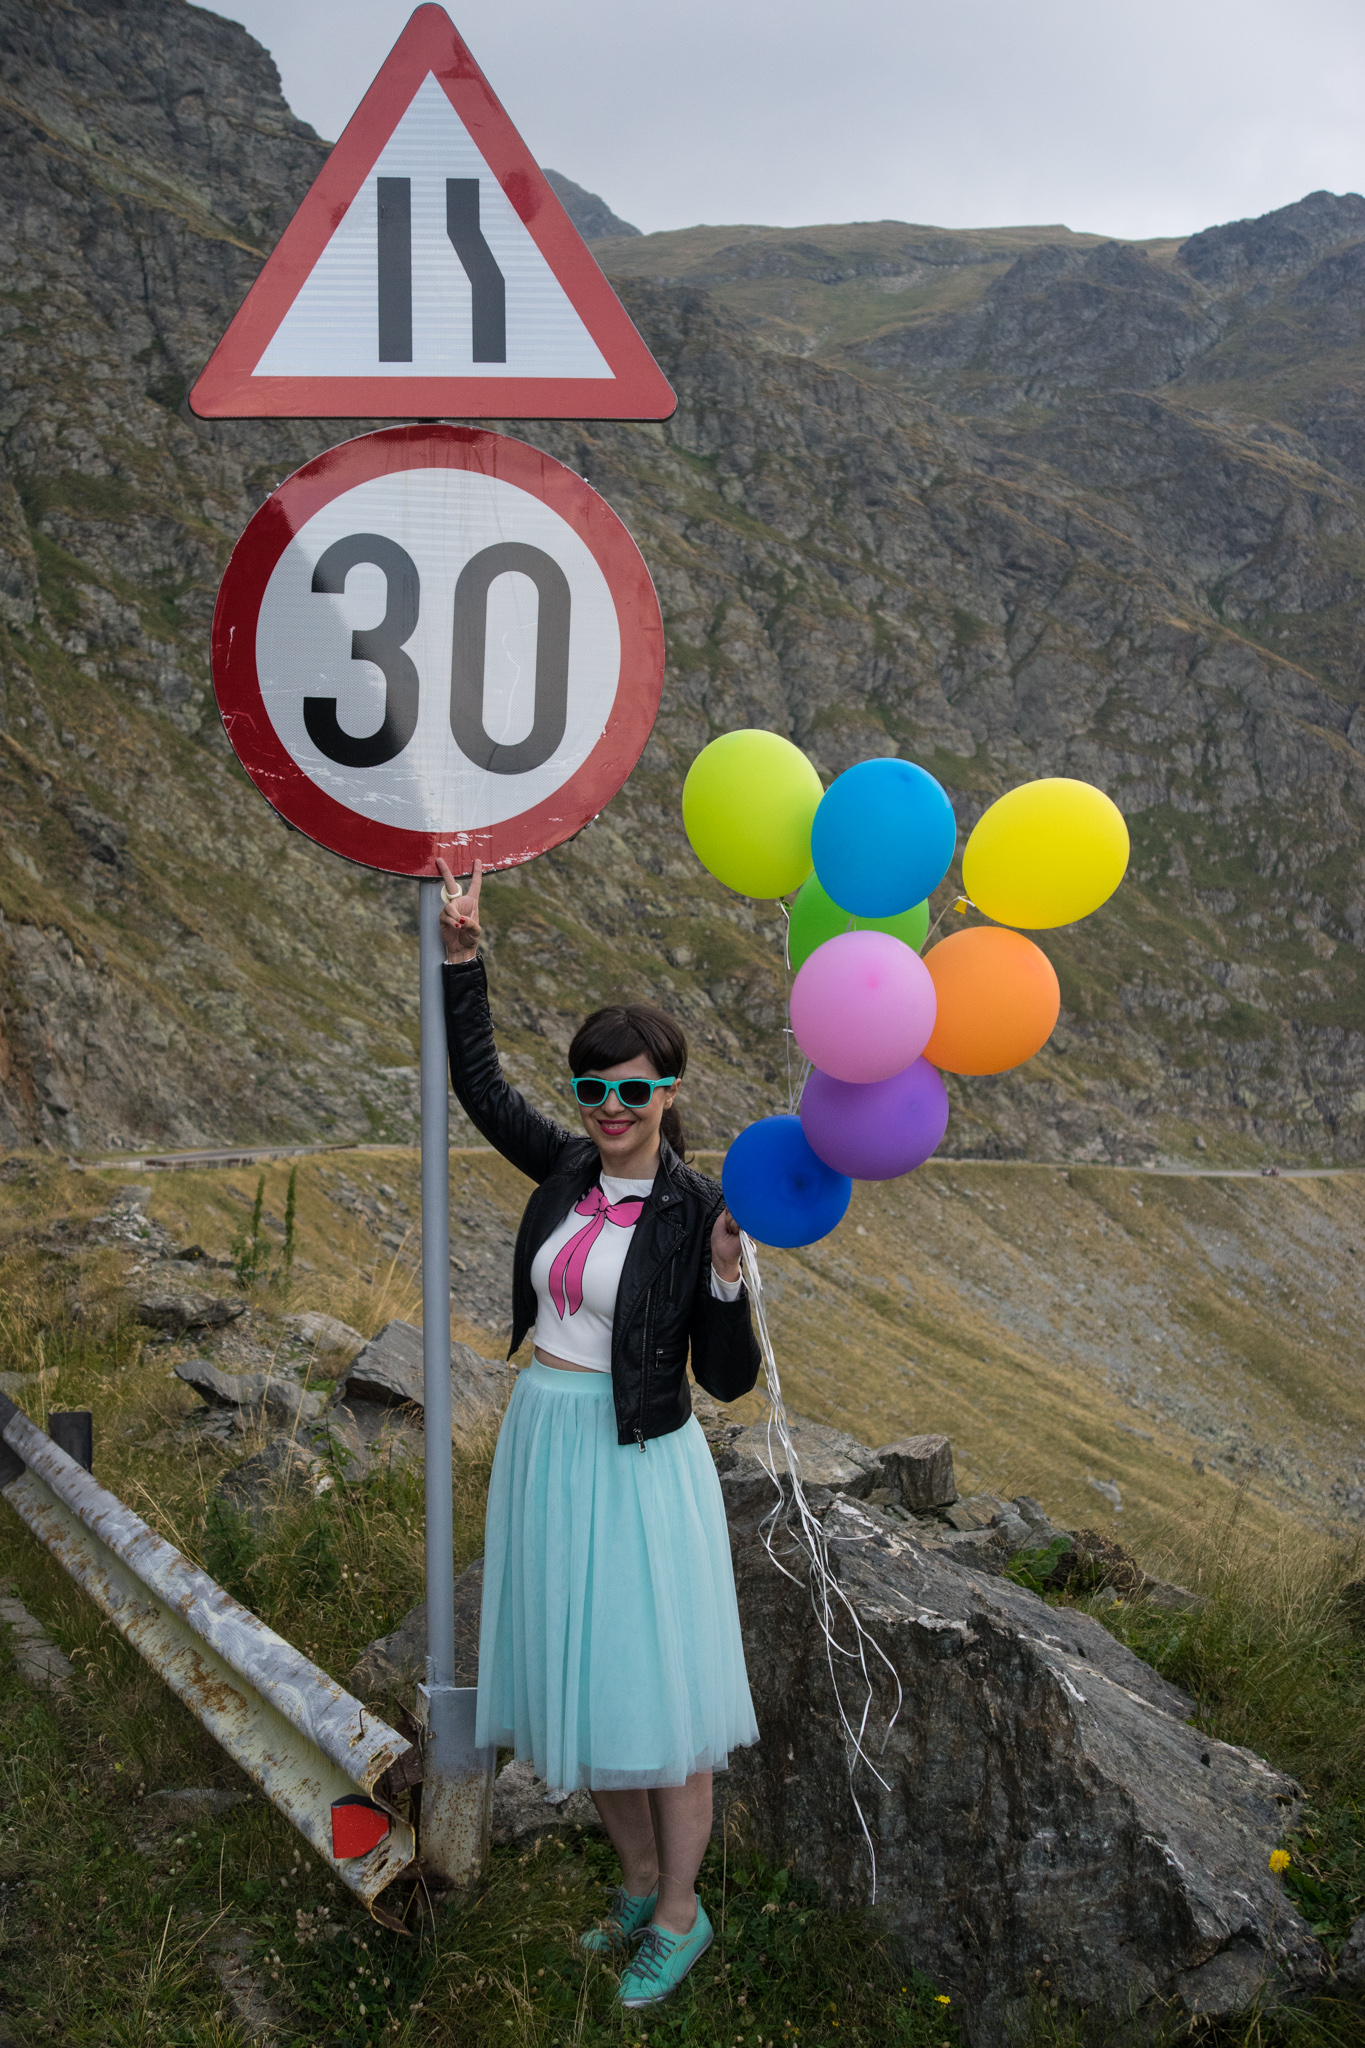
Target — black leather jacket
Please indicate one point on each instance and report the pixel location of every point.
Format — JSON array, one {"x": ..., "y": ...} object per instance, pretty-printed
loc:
[{"x": 665, "y": 1303}]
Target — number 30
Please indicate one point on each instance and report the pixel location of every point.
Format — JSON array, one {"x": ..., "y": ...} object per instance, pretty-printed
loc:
[{"x": 384, "y": 646}]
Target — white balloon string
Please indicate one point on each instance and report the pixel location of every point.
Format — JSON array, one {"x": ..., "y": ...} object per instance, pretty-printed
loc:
[
  {"x": 793, "y": 1094},
  {"x": 828, "y": 1598}
]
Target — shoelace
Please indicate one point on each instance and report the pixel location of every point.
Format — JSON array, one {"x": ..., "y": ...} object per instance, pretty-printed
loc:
[{"x": 653, "y": 1952}]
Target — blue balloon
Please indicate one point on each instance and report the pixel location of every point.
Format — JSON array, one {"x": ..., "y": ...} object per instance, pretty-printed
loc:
[
  {"x": 776, "y": 1188},
  {"x": 884, "y": 837}
]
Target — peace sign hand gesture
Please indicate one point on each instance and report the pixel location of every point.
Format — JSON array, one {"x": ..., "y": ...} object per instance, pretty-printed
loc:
[{"x": 460, "y": 928}]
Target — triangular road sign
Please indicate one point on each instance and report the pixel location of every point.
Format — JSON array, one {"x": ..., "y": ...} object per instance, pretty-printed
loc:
[{"x": 431, "y": 273}]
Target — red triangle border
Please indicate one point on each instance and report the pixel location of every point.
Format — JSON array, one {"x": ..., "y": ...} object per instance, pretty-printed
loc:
[{"x": 227, "y": 388}]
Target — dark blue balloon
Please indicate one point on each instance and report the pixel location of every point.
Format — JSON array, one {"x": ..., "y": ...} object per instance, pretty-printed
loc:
[
  {"x": 883, "y": 838},
  {"x": 776, "y": 1188}
]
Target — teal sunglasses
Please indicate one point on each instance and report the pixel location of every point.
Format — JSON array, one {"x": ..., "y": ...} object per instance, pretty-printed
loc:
[{"x": 635, "y": 1092}]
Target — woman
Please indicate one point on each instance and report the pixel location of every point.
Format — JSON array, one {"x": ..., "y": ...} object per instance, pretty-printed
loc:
[{"x": 610, "y": 1651}]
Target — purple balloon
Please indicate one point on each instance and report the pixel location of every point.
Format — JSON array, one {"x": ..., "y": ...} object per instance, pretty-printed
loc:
[
  {"x": 863, "y": 1006},
  {"x": 875, "y": 1130}
]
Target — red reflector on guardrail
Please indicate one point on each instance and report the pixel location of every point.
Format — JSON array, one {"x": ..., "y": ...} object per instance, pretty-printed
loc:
[{"x": 358, "y": 1826}]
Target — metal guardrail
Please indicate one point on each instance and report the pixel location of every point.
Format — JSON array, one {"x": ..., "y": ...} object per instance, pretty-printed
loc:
[{"x": 303, "y": 1740}]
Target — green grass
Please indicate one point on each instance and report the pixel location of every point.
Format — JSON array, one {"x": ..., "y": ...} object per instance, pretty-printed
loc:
[
  {"x": 1274, "y": 1658},
  {"x": 109, "y": 1921}
]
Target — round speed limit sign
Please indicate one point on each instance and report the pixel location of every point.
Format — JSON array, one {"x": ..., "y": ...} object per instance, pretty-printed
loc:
[{"x": 435, "y": 640}]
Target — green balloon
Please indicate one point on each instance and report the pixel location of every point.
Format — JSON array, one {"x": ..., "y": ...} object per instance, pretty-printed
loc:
[{"x": 816, "y": 917}]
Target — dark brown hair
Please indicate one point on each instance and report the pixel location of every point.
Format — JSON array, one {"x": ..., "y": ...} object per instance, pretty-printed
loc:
[{"x": 629, "y": 1031}]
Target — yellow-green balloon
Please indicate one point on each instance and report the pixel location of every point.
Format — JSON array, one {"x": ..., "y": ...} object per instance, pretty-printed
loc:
[
  {"x": 815, "y": 917},
  {"x": 748, "y": 805},
  {"x": 1046, "y": 854}
]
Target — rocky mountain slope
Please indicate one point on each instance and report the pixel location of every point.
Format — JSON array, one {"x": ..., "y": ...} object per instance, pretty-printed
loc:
[{"x": 1015, "y": 503}]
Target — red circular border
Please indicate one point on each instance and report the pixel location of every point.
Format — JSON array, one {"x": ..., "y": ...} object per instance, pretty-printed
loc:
[{"x": 237, "y": 683}]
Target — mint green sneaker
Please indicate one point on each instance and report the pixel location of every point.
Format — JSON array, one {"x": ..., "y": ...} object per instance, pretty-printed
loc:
[
  {"x": 625, "y": 1917},
  {"x": 662, "y": 1961}
]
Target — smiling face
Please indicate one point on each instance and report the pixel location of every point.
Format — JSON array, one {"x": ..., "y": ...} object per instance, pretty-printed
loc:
[{"x": 627, "y": 1139}]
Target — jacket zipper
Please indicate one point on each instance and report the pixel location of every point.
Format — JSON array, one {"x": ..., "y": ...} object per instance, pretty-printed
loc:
[{"x": 644, "y": 1368}]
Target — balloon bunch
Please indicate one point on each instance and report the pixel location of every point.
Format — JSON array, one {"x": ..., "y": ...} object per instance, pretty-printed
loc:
[{"x": 878, "y": 1024}]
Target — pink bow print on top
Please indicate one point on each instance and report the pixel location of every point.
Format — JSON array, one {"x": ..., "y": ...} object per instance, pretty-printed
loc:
[{"x": 566, "y": 1274}]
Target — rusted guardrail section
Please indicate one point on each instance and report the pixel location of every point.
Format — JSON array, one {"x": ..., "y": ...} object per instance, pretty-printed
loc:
[{"x": 304, "y": 1741}]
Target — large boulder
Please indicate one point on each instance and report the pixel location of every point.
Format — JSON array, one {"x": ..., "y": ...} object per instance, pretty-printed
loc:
[{"x": 1045, "y": 1813}]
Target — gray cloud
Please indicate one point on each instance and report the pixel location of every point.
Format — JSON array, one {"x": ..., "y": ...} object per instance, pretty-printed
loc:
[{"x": 1128, "y": 117}]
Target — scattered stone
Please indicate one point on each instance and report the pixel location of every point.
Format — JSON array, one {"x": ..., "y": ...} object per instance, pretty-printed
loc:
[
  {"x": 283, "y": 1470},
  {"x": 523, "y": 1808},
  {"x": 827, "y": 1457},
  {"x": 388, "y": 1372},
  {"x": 918, "y": 1470},
  {"x": 978, "y": 1511},
  {"x": 340, "y": 1441},
  {"x": 1351, "y": 1961},
  {"x": 251, "y": 1390},
  {"x": 192, "y": 1799},
  {"x": 1108, "y": 1489},
  {"x": 227, "y": 1954},
  {"x": 393, "y": 1666},
  {"x": 41, "y": 1664},
  {"x": 325, "y": 1334},
  {"x": 389, "y": 1368},
  {"x": 1037, "y": 1769},
  {"x": 1095, "y": 1563},
  {"x": 1351, "y": 1596},
  {"x": 180, "y": 1312}
]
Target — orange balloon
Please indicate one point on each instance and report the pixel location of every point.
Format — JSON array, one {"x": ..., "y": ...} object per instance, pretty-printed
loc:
[{"x": 998, "y": 1000}]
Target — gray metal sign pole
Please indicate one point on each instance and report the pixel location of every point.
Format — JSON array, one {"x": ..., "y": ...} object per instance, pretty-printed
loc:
[
  {"x": 456, "y": 1778},
  {"x": 438, "y": 1763}
]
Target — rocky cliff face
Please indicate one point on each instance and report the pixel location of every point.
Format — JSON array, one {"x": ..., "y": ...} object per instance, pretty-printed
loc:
[{"x": 1033, "y": 505}]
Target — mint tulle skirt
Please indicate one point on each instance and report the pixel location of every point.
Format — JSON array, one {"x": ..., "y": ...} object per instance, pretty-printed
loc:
[{"x": 609, "y": 1652}]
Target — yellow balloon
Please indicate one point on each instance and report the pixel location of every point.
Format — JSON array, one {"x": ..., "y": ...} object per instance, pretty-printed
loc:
[
  {"x": 748, "y": 805},
  {"x": 1046, "y": 854}
]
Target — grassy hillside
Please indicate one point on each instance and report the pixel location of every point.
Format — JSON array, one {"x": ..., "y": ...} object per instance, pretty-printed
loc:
[
  {"x": 1191, "y": 1339},
  {"x": 816, "y": 290}
]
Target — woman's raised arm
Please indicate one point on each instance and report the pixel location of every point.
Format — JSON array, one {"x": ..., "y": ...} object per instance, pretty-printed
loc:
[{"x": 499, "y": 1112}]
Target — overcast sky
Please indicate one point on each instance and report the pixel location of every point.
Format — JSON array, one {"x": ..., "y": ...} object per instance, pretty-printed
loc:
[{"x": 1126, "y": 117}]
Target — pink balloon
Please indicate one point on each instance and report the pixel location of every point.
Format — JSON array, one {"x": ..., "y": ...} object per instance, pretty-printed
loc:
[{"x": 863, "y": 1006}]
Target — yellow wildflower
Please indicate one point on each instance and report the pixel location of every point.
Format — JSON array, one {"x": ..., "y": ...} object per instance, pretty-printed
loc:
[
  {"x": 942, "y": 1999},
  {"x": 1280, "y": 1859}
]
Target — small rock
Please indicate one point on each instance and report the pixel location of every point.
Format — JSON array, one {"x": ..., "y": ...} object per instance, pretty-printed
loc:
[
  {"x": 389, "y": 1372},
  {"x": 13, "y": 1383},
  {"x": 827, "y": 1457},
  {"x": 523, "y": 1808},
  {"x": 341, "y": 1443},
  {"x": 228, "y": 1956},
  {"x": 283, "y": 1470},
  {"x": 978, "y": 1511},
  {"x": 1108, "y": 1489},
  {"x": 180, "y": 1312},
  {"x": 251, "y": 1390},
  {"x": 325, "y": 1333},
  {"x": 389, "y": 1368},
  {"x": 919, "y": 1470},
  {"x": 192, "y": 1799},
  {"x": 1351, "y": 1961},
  {"x": 394, "y": 1665},
  {"x": 41, "y": 1664}
]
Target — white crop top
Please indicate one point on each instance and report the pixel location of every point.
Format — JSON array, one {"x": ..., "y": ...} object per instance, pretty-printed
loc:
[{"x": 577, "y": 1273}]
